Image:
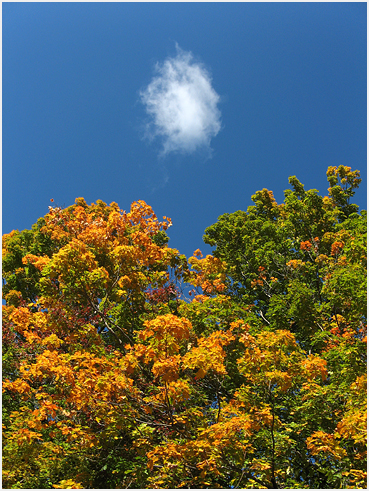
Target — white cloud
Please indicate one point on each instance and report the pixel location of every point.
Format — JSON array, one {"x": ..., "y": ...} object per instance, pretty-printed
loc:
[{"x": 182, "y": 105}]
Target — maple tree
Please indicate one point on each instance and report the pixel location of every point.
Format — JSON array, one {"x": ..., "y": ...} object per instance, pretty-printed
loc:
[{"x": 252, "y": 376}]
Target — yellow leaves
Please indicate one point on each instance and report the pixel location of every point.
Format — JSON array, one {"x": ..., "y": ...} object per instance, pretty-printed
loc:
[
  {"x": 209, "y": 354},
  {"x": 166, "y": 328},
  {"x": 227, "y": 430},
  {"x": 39, "y": 262},
  {"x": 75, "y": 432},
  {"x": 110, "y": 255},
  {"x": 255, "y": 283},
  {"x": 7, "y": 237},
  {"x": 263, "y": 415},
  {"x": 174, "y": 392},
  {"x": 13, "y": 297},
  {"x": 280, "y": 339},
  {"x": 77, "y": 269},
  {"x": 209, "y": 273},
  {"x": 125, "y": 282},
  {"x": 20, "y": 386},
  {"x": 271, "y": 358},
  {"x": 126, "y": 254},
  {"x": 327, "y": 202},
  {"x": 31, "y": 337},
  {"x": 141, "y": 213},
  {"x": 116, "y": 226},
  {"x": 75, "y": 253},
  {"x": 331, "y": 171},
  {"x": 218, "y": 284},
  {"x": 260, "y": 466},
  {"x": 167, "y": 369},
  {"x": 21, "y": 318},
  {"x": 276, "y": 342},
  {"x": 163, "y": 335},
  {"x": 294, "y": 264},
  {"x": 239, "y": 326},
  {"x": 174, "y": 458},
  {"x": 49, "y": 363},
  {"x": 28, "y": 323},
  {"x": 200, "y": 298},
  {"x": 315, "y": 366},
  {"x": 68, "y": 484},
  {"x": 321, "y": 259},
  {"x": 283, "y": 379},
  {"x": 96, "y": 235},
  {"x": 142, "y": 436},
  {"x": 171, "y": 450},
  {"x": 95, "y": 379},
  {"x": 24, "y": 435},
  {"x": 132, "y": 257},
  {"x": 208, "y": 466},
  {"x": 139, "y": 351},
  {"x": 39, "y": 320},
  {"x": 321, "y": 442},
  {"x": 359, "y": 387},
  {"x": 200, "y": 373},
  {"x": 48, "y": 409},
  {"x": 358, "y": 478},
  {"x": 130, "y": 361},
  {"x": 203, "y": 452},
  {"x": 311, "y": 389},
  {"x": 346, "y": 175},
  {"x": 353, "y": 425},
  {"x": 178, "y": 391},
  {"x": 52, "y": 341}
]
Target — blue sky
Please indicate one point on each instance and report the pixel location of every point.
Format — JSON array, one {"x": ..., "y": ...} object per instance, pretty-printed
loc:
[{"x": 191, "y": 107}]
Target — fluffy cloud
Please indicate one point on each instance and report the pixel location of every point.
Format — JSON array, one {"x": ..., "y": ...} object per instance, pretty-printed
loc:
[{"x": 182, "y": 105}]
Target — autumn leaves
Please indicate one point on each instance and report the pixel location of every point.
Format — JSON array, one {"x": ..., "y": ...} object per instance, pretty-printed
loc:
[{"x": 113, "y": 378}]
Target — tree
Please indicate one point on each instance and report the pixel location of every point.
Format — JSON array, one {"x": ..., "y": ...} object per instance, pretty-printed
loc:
[{"x": 113, "y": 378}]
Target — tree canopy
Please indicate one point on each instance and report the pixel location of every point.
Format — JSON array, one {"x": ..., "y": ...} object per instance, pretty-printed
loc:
[{"x": 128, "y": 365}]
